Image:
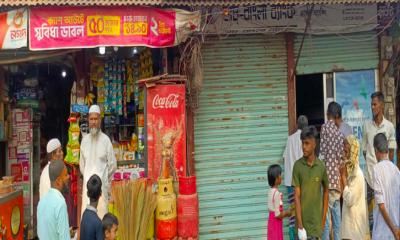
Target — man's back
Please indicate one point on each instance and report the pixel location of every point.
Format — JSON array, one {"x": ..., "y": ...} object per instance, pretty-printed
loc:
[
  {"x": 91, "y": 226},
  {"x": 52, "y": 217},
  {"x": 331, "y": 150},
  {"x": 292, "y": 153},
  {"x": 386, "y": 184}
]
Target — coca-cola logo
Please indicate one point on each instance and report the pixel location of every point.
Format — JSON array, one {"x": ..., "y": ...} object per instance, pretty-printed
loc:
[{"x": 171, "y": 101}]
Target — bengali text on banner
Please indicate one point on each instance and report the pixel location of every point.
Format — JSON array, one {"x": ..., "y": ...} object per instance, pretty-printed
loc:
[{"x": 85, "y": 27}]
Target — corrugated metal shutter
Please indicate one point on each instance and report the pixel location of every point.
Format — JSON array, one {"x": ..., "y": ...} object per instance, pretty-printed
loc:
[
  {"x": 331, "y": 53},
  {"x": 241, "y": 128}
]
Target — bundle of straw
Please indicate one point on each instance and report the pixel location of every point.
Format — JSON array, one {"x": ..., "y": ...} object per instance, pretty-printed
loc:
[{"x": 135, "y": 203}]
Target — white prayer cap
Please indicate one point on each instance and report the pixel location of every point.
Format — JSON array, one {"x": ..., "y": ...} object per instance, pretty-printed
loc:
[
  {"x": 94, "y": 109},
  {"x": 53, "y": 144}
]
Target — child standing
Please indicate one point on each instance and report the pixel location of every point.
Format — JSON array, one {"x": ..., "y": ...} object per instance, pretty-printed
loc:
[
  {"x": 110, "y": 226},
  {"x": 91, "y": 225},
  {"x": 275, "y": 206}
]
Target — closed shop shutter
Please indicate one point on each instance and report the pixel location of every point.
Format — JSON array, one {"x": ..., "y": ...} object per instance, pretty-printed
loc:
[
  {"x": 332, "y": 53},
  {"x": 241, "y": 128}
]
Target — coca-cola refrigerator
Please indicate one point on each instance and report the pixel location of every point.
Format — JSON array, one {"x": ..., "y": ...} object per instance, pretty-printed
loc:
[{"x": 166, "y": 131}]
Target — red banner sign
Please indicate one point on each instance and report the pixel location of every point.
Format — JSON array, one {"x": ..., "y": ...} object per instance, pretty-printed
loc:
[
  {"x": 166, "y": 129},
  {"x": 80, "y": 27}
]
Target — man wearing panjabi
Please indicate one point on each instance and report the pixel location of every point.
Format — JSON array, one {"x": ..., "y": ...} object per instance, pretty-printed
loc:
[
  {"x": 54, "y": 152},
  {"x": 52, "y": 215},
  {"x": 97, "y": 157}
]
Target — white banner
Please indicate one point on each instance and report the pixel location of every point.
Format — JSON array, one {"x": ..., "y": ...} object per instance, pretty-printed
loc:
[
  {"x": 14, "y": 29},
  {"x": 274, "y": 19}
]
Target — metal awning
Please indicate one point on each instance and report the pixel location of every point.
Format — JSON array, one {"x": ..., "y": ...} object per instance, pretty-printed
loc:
[
  {"x": 24, "y": 55},
  {"x": 190, "y": 3}
]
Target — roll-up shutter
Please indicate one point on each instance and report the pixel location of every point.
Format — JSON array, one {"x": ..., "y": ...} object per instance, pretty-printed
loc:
[
  {"x": 241, "y": 128},
  {"x": 330, "y": 53}
]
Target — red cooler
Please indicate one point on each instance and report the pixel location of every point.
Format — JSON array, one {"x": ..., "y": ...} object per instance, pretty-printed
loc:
[{"x": 188, "y": 209}]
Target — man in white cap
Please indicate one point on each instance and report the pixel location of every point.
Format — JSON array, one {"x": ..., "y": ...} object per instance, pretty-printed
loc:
[
  {"x": 54, "y": 152},
  {"x": 97, "y": 157}
]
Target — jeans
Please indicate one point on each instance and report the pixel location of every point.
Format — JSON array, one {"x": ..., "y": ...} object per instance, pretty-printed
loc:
[
  {"x": 334, "y": 211},
  {"x": 292, "y": 220},
  {"x": 370, "y": 206}
]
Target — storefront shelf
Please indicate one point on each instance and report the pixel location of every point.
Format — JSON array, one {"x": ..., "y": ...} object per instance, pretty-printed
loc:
[{"x": 139, "y": 161}]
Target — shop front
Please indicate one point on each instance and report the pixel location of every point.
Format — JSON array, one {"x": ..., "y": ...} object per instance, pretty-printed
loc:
[
  {"x": 240, "y": 129},
  {"x": 263, "y": 67},
  {"x": 125, "y": 60},
  {"x": 341, "y": 68}
]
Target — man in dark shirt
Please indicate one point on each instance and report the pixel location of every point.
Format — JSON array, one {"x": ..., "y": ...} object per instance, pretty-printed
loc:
[{"x": 91, "y": 225}]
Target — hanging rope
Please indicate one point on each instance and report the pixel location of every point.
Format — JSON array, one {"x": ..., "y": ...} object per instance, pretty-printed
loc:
[{"x": 191, "y": 65}]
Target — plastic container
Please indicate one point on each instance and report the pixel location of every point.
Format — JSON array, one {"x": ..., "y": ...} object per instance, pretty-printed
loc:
[
  {"x": 166, "y": 215},
  {"x": 188, "y": 216},
  {"x": 187, "y": 185}
]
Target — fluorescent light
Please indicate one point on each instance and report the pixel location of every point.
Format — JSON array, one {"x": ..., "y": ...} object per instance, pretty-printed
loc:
[
  {"x": 102, "y": 50},
  {"x": 135, "y": 51},
  {"x": 63, "y": 73}
]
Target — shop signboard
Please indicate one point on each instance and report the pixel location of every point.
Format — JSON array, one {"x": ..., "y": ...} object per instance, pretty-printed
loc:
[
  {"x": 84, "y": 27},
  {"x": 353, "y": 93},
  {"x": 166, "y": 129},
  {"x": 325, "y": 19},
  {"x": 14, "y": 29},
  {"x": 80, "y": 108},
  {"x": 387, "y": 13}
]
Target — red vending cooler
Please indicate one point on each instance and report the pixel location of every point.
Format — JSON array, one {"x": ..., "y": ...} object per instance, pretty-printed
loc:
[{"x": 166, "y": 129}]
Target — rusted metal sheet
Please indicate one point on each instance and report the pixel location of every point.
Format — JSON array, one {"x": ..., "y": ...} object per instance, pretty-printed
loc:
[
  {"x": 329, "y": 53},
  {"x": 240, "y": 129},
  {"x": 177, "y": 2}
]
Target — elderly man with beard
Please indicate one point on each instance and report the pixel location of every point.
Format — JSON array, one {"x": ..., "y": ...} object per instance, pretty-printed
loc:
[
  {"x": 97, "y": 157},
  {"x": 52, "y": 215}
]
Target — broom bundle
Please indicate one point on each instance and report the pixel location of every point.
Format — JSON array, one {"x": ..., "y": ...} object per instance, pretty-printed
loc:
[{"x": 135, "y": 203}]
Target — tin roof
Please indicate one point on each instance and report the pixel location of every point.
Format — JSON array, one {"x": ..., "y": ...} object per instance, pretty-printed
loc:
[{"x": 175, "y": 2}]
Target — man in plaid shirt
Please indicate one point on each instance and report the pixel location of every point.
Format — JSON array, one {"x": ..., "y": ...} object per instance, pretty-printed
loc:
[{"x": 331, "y": 151}]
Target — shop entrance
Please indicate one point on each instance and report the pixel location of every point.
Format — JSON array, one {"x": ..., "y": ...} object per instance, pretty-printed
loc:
[{"x": 310, "y": 98}]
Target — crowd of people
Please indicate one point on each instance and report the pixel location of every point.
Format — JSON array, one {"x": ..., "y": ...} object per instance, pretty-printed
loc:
[
  {"x": 52, "y": 214},
  {"x": 329, "y": 195},
  {"x": 97, "y": 164}
]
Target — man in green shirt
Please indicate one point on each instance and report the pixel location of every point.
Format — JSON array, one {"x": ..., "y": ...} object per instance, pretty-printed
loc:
[{"x": 309, "y": 176}]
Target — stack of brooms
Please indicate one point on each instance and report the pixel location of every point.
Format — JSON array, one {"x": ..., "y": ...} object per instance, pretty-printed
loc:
[{"x": 135, "y": 203}]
